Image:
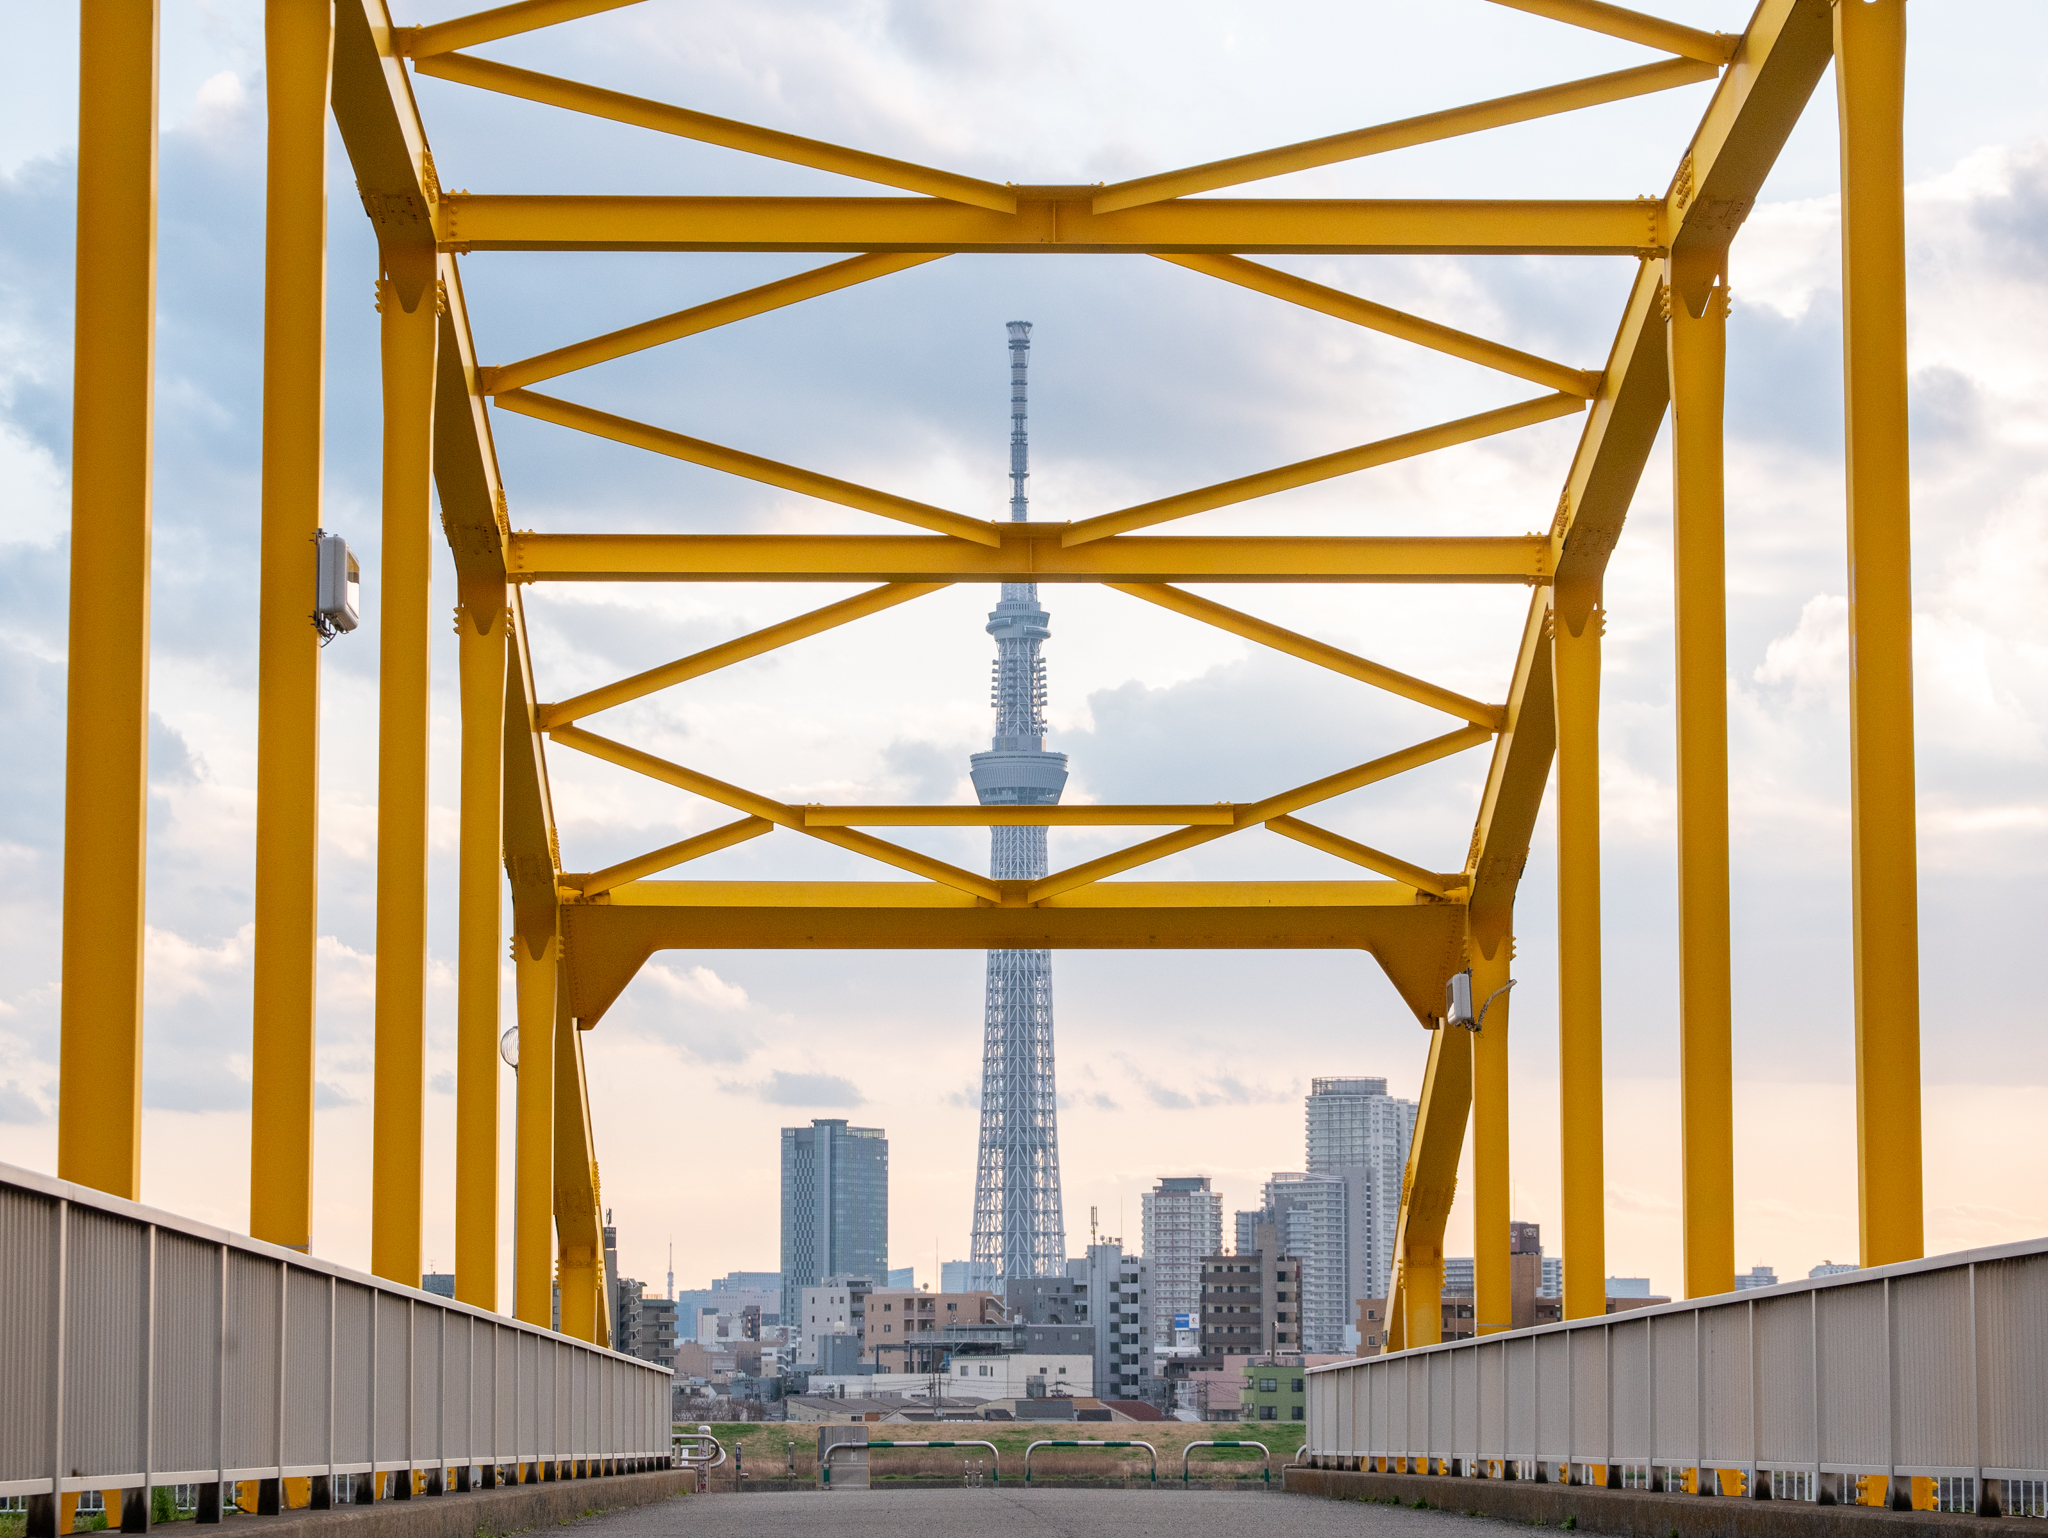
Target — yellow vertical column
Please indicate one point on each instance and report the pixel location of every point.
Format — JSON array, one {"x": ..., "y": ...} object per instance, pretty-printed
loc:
[
  {"x": 298, "y": 54},
  {"x": 576, "y": 1208},
  {"x": 1492, "y": 1275},
  {"x": 106, "y": 751},
  {"x": 533, "y": 1223},
  {"x": 1575, "y": 670},
  {"x": 1870, "y": 79},
  {"x": 1428, "y": 1186},
  {"x": 479, "y": 954},
  {"x": 1698, "y": 349},
  {"x": 404, "y": 714}
]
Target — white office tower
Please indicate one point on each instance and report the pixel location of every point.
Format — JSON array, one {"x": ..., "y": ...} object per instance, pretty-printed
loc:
[
  {"x": 1183, "y": 1221},
  {"x": 1018, "y": 1227},
  {"x": 1359, "y": 1134}
]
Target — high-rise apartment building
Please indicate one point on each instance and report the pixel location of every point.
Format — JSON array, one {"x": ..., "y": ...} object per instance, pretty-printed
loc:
[
  {"x": 1183, "y": 1222},
  {"x": 835, "y": 1206},
  {"x": 1359, "y": 1134},
  {"x": 1117, "y": 1289}
]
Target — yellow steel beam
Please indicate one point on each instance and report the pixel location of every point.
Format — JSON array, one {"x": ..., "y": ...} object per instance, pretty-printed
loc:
[
  {"x": 1698, "y": 350},
  {"x": 1634, "y": 27},
  {"x": 711, "y": 659},
  {"x": 1027, "y": 552},
  {"x": 579, "y": 1225},
  {"x": 1493, "y": 1308},
  {"x": 1575, "y": 667},
  {"x": 489, "y": 26},
  {"x": 298, "y": 52},
  {"x": 1870, "y": 77},
  {"x": 1428, "y": 1185},
  {"x": 404, "y": 723},
  {"x": 1258, "y": 812},
  {"x": 1360, "y": 854},
  {"x": 533, "y": 1202},
  {"x": 532, "y": 860},
  {"x": 1324, "y": 467},
  {"x": 1082, "y": 816},
  {"x": 1322, "y": 654},
  {"x": 752, "y": 467},
  {"x": 698, "y": 318},
  {"x": 608, "y": 940},
  {"x": 773, "y": 811},
  {"x": 1391, "y": 322},
  {"x": 748, "y": 138},
  {"x": 1053, "y": 219},
  {"x": 479, "y": 953},
  {"x": 1514, "y": 787},
  {"x": 1427, "y": 129},
  {"x": 106, "y": 753},
  {"x": 669, "y": 856}
]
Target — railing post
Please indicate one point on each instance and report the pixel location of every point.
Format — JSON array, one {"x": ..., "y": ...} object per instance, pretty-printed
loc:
[
  {"x": 270, "y": 1492},
  {"x": 135, "y": 1505},
  {"x": 1823, "y": 1488},
  {"x": 321, "y": 1496},
  {"x": 42, "y": 1517}
]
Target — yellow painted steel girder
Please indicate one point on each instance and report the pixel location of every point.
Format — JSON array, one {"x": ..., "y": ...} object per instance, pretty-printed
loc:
[
  {"x": 1616, "y": 21},
  {"x": 1415, "y": 938},
  {"x": 1069, "y": 816},
  {"x": 489, "y": 26},
  {"x": 1054, "y": 219},
  {"x": 1028, "y": 552}
]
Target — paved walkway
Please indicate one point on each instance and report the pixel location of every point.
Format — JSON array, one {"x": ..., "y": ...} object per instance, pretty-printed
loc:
[{"x": 1025, "y": 1514}]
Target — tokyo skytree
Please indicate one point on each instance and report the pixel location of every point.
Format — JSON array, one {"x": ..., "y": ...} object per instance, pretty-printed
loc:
[{"x": 1018, "y": 1227}]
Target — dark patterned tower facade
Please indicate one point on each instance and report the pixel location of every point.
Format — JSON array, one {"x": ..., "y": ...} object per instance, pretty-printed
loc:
[{"x": 1018, "y": 1227}]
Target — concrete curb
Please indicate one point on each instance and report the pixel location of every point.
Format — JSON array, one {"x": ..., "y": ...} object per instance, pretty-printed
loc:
[
  {"x": 479, "y": 1514},
  {"x": 1639, "y": 1513}
]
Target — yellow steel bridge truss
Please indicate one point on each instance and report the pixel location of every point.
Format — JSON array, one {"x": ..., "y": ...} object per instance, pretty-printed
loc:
[{"x": 580, "y": 936}]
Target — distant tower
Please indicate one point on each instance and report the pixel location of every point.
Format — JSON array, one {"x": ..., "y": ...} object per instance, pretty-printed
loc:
[{"x": 1018, "y": 1227}]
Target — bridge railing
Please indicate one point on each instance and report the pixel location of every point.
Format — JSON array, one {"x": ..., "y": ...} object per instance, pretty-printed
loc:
[
  {"x": 138, "y": 1348},
  {"x": 1935, "y": 1369}
]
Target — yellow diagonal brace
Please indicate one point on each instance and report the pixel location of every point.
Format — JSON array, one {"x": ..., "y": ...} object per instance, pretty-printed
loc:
[
  {"x": 671, "y": 855},
  {"x": 1650, "y": 31},
  {"x": 1430, "y": 127},
  {"x": 773, "y": 811},
  {"x": 748, "y": 138},
  {"x": 1326, "y": 467},
  {"x": 1321, "y": 653},
  {"x": 712, "y": 658},
  {"x": 769, "y": 472},
  {"x": 1390, "y": 322},
  {"x": 1258, "y": 812},
  {"x": 1361, "y": 854},
  {"x": 702, "y": 317},
  {"x": 489, "y": 26},
  {"x": 1083, "y": 816}
]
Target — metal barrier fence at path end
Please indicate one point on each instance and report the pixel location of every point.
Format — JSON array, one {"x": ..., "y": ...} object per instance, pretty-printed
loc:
[
  {"x": 1036, "y": 1445},
  {"x": 825, "y": 1462},
  {"x": 140, "y": 1350},
  {"x": 1266, "y": 1474}
]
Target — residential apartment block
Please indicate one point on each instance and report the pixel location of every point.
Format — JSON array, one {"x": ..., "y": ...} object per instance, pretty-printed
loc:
[{"x": 1183, "y": 1223}]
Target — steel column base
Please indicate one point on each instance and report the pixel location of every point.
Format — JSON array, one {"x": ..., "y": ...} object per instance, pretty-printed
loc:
[
  {"x": 320, "y": 1493},
  {"x": 209, "y": 1503},
  {"x": 135, "y": 1510}
]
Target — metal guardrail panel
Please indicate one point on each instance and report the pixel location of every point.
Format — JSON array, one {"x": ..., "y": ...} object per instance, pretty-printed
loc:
[
  {"x": 1674, "y": 1393},
  {"x": 2012, "y": 1363},
  {"x": 392, "y": 1392},
  {"x": 1628, "y": 1347},
  {"x": 28, "y": 1321},
  {"x": 1930, "y": 1368},
  {"x": 1784, "y": 1366},
  {"x": 352, "y": 1350},
  {"x": 106, "y": 1264},
  {"x": 308, "y": 1366},
  {"x": 1728, "y": 1380},
  {"x": 1855, "y": 1376},
  {"x": 1931, "y": 1351},
  {"x": 138, "y": 1348},
  {"x": 186, "y": 1383},
  {"x": 252, "y": 1349}
]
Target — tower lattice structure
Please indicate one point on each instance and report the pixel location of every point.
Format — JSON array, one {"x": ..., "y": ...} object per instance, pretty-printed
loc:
[{"x": 1018, "y": 1226}]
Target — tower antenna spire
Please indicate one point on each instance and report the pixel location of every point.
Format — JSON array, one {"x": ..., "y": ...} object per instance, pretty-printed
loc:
[{"x": 1020, "y": 437}]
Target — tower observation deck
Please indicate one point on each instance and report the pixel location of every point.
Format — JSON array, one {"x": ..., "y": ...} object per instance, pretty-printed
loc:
[{"x": 1018, "y": 1226}]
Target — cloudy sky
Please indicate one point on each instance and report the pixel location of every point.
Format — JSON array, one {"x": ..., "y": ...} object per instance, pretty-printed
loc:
[{"x": 1146, "y": 379}]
